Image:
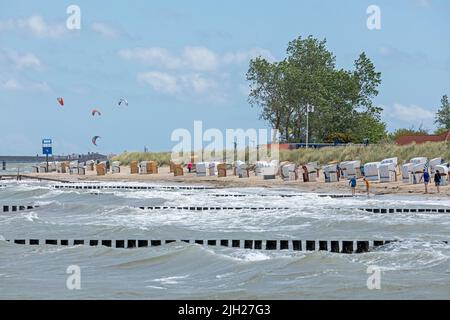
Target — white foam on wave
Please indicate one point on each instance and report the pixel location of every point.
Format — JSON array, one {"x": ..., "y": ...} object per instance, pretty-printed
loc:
[
  {"x": 406, "y": 255},
  {"x": 245, "y": 255},
  {"x": 224, "y": 275},
  {"x": 170, "y": 280},
  {"x": 156, "y": 287},
  {"x": 250, "y": 255},
  {"x": 30, "y": 216}
]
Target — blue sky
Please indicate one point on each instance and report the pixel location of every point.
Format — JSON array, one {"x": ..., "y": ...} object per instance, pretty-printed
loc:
[{"x": 180, "y": 61}]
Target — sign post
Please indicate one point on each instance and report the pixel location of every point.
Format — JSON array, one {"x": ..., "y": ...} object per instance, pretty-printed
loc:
[
  {"x": 309, "y": 108},
  {"x": 47, "y": 149}
]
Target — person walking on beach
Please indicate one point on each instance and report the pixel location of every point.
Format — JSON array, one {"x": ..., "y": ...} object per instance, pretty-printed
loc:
[
  {"x": 367, "y": 186},
  {"x": 189, "y": 166},
  {"x": 352, "y": 184},
  {"x": 426, "y": 179},
  {"x": 437, "y": 180}
]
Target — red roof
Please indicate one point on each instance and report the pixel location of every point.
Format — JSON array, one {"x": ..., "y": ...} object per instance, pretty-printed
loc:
[{"x": 408, "y": 139}]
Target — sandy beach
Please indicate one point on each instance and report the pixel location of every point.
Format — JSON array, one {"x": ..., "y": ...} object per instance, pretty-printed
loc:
[{"x": 231, "y": 181}]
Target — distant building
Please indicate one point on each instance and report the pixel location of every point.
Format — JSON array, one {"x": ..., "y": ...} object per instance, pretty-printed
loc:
[{"x": 408, "y": 139}]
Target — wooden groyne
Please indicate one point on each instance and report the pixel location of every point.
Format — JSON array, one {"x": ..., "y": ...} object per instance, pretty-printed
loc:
[
  {"x": 20, "y": 177},
  {"x": 334, "y": 246},
  {"x": 8, "y": 208}
]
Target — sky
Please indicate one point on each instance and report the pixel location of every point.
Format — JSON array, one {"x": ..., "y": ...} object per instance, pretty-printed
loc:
[{"x": 180, "y": 61}]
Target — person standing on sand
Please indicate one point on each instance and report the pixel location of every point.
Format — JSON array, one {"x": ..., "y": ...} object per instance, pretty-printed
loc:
[
  {"x": 437, "y": 180},
  {"x": 367, "y": 186},
  {"x": 189, "y": 166},
  {"x": 352, "y": 184},
  {"x": 426, "y": 179}
]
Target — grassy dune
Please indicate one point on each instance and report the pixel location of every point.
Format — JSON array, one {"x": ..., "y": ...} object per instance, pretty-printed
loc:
[
  {"x": 328, "y": 154},
  {"x": 369, "y": 154},
  {"x": 163, "y": 158}
]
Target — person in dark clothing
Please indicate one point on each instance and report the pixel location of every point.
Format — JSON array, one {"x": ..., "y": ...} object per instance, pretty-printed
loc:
[
  {"x": 426, "y": 179},
  {"x": 437, "y": 180},
  {"x": 352, "y": 184}
]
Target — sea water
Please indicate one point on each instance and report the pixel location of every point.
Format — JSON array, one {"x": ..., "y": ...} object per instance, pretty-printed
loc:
[{"x": 416, "y": 268}]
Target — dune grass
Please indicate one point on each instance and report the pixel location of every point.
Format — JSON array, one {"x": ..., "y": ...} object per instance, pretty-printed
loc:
[
  {"x": 370, "y": 153},
  {"x": 328, "y": 154},
  {"x": 162, "y": 158}
]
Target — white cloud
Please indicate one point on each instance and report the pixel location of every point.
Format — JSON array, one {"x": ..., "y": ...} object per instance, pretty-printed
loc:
[
  {"x": 14, "y": 85},
  {"x": 197, "y": 83},
  {"x": 192, "y": 58},
  {"x": 10, "y": 84},
  {"x": 151, "y": 56},
  {"x": 192, "y": 72},
  {"x": 104, "y": 29},
  {"x": 246, "y": 55},
  {"x": 21, "y": 61},
  {"x": 411, "y": 113},
  {"x": 200, "y": 58},
  {"x": 173, "y": 84},
  {"x": 159, "y": 81},
  {"x": 36, "y": 25}
]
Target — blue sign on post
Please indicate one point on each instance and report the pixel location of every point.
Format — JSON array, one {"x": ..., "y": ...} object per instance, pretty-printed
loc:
[
  {"x": 47, "y": 147},
  {"x": 47, "y": 151}
]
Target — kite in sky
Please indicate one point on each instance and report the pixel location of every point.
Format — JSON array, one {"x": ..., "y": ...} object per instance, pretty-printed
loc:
[
  {"x": 60, "y": 101},
  {"x": 124, "y": 101},
  {"x": 94, "y": 140},
  {"x": 95, "y": 111}
]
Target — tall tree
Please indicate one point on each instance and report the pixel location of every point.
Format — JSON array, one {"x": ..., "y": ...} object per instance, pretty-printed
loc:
[
  {"x": 266, "y": 90},
  {"x": 443, "y": 114},
  {"x": 369, "y": 80},
  {"x": 308, "y": 76}
]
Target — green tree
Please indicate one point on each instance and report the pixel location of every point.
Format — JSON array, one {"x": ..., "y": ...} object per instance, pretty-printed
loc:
[
  {"x": 308, "y": 76},
  {"x": 407, "y": 132},
  {"x": 368, "y": 80},
  {"x": 267, "y": 90},
  {"x": 443, "y": 114},
  {"x": 440, "y": 130},
  {"x": 369, "y": 126}
]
